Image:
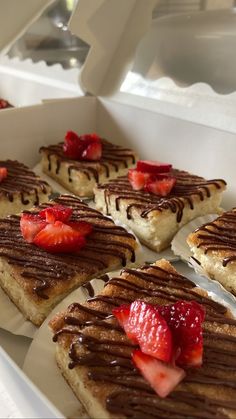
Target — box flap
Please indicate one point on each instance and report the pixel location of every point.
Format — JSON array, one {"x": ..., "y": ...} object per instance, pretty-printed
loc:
[
  {"x": 15, "y": 17},
  {"x": 113, "y": 29}
]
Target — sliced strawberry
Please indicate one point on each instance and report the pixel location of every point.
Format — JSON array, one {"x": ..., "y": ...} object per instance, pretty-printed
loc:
[
  {"x": 160, "y": 187},
  {"x": 93, "y": 151},
  {"x": 185, "y": 321},
  {"x": 73, "y": 147},
  {"x": 153, "y": 167},
  {"x": 191, "y": 355},
  {"x": 30, "y": 225},
  {"x": 82, "y": 227},
  {"x": 163, "y": 378},
  {"x": 59, "y": 238},
  {"x": 121, "y": 313},
  {"x": 56, "y": 213},
  {"x": 150, "y": 330},
  {"x": 137, "y": 179},
  {"x": 3, "y": 173}
]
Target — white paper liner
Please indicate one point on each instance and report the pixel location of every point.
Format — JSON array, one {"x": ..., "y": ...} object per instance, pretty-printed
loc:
[
  {"x": 179, "y": 245},
  {"x": 40, "y": 364}
]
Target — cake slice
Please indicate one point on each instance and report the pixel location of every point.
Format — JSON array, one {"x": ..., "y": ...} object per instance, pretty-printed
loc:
[
  {"x": 154, "y": 218},
  {"x": 214, "y": 247},
  {"x": 36, "y": 278},
  {"x": 94, "y": 354},
  {"x": 80, "y": 176},
  {"x": 20, "y": 188}
]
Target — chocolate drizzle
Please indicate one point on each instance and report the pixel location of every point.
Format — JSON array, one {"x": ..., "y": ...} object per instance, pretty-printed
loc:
[
  {"x": 42, "y": 272},
  {"x": 21, "y": 181},
  {"x": 220, "y": 235},
  {"x": 113, "y": 158},
  {"x": 94, "y": 339},
  {"x": 187, "y": 188}
]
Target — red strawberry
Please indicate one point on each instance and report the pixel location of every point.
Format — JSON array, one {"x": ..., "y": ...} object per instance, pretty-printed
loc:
[
  {"x": 137, "y": 179},
  {"x": 93, "y": 151},
  {"x": 73, "y": 146},
  {"x": 121, "y": 313},
  {"x": 148, "y": 166},
  {"x": 3, "y": 173},
  {"x": 3, "y": 104},
  {"x": 56, "y": 213},
  {"x": 150, "y": 330},
  {"x": 82, "y": 227},
  {"x": 90, "y": 138},
  {"x": 185, "y": 321},
  {"x": 160, "y": 187},
  {"x": 30, "y": 225},
  {"x": 163, "y": 378},
  {"x": 59, "y": 238}
]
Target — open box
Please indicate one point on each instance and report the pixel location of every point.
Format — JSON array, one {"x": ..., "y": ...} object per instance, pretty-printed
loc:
[{"x": 150, "y": 126}]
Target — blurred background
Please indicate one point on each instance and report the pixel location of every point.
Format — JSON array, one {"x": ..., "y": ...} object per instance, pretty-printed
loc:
[{"x": 48, "y": 38}]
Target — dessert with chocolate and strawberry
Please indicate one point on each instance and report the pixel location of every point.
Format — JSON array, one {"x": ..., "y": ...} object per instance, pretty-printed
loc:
[
  {"x": 47, "y": 252},
  {"x": 213, "y": 246},
  {"x": 150, "y": 345},
  {"x": 20, "y": 188},
  {"x": 155, "y": 200},
  {"x": 81, "y": 161}
]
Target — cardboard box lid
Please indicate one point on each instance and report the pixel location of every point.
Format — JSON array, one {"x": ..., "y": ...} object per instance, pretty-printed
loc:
[
  {"x": 15, "y": 17},
  {"x": 112, "y": 28}
]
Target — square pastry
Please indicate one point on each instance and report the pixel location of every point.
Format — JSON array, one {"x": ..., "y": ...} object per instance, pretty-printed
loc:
[
  {"x": 155, "y": 205},
  {"x": 20, "y": 188},
  {"x": 113, "y": 379},
  {"x": 49, "y": 251},
  {"x": 80, "y": 162},
  {"x": 214, "y": 246}
]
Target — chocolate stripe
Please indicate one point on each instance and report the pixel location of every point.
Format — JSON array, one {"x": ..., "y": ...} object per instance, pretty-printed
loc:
[
  {"x": 21, "y": 181},
  {"x": 112, "y": 156},
  {"x": 187, "y": 187}
]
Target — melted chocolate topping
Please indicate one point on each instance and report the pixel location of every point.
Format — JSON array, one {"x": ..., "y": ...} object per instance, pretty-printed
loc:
[
  {"x": 220, "y": 235},
  {"x": 21, "y": 181},
  {"x": 113, "y": 158},
  {"x": 98, "y": 342},
  {"x": 42, "y": 271},
  {"x": 187, "y": 187}
]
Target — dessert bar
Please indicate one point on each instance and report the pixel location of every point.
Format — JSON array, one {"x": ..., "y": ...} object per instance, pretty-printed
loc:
[
  {"x": 80, "y": 176},
  {"x": 94, "y": 354},
  {"x": 156, "y": 218},
  {"x": 20, "y": 188},
  {"x": 39, "y": 261},
  {"x": 214, "y": 246}
]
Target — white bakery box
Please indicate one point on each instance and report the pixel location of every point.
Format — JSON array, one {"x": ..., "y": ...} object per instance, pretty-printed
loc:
[{"x": 193, "y": 128}]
